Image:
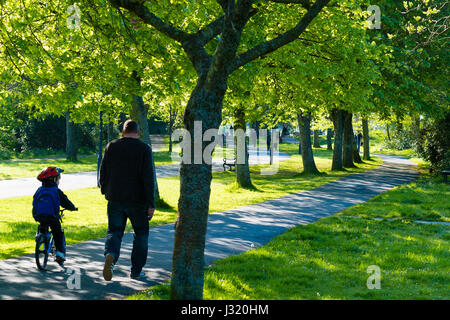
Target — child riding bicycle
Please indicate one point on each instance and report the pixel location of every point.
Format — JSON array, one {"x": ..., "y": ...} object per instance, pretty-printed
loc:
[{"x": 46, "y": 202}]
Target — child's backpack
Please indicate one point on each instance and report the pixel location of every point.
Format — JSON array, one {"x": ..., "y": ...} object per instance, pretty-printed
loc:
[{"x": 46, "y": 202}]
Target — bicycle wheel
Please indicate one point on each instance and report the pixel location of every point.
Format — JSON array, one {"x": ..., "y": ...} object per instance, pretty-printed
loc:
[{"x": 41, "y": 251}]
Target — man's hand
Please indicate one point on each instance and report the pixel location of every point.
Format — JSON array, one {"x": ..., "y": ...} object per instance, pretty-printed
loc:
[{"x": 150, "y": 213}]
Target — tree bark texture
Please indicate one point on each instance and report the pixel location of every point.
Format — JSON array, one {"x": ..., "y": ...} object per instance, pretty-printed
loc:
[
  {"x": 316, "y": 140},
  {"x": 388, "y": 132},
  {"x": 337, "y": 115},
  {"x": 366, "y": 138},
  {"x": 71, "y": 139},
  {"x": 243, "y": 178},
  {"x": 329, "y": 139},
  {"x": 347, "y": 144},
  {"x": 304, "y": 124},
  {"x": 170, "y": 126},
  {"x": 204, "y": 105},
  {"x": 139, "y": 114}
]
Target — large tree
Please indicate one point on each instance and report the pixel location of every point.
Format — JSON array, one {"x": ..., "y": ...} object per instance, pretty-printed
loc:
[
  {"x": 232, "y": 22},
  {"x": 416, "y": 83},
  {"x": 320, "y": 72}
]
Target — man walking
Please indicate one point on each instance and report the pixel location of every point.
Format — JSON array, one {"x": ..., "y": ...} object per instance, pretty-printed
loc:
[{"x": 126, "y": 180}]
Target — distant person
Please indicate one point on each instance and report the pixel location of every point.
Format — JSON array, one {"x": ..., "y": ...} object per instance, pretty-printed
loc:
[
  {"x": 46, "y": 202},
  {"x": 126, "y": 180}
]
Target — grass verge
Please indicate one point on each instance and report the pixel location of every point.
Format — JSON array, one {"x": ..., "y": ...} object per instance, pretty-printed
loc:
[
  {"x": 329, "y": 259},
  {"x": 27, "y": 168}
]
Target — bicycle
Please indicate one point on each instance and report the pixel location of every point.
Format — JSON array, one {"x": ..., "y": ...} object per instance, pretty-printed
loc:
[{"x": 45, "y": 246}]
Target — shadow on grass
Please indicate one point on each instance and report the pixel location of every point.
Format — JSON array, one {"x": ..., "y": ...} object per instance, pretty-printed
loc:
[
  {"x": 420, "y": 200},
  {"x": 20, "y": 236},
  {"x": 329, "y": 260},
  {"x": 162, "y": 204},
  {"x": 234, "y": 187},
  {"x": 305, "y": 175}
]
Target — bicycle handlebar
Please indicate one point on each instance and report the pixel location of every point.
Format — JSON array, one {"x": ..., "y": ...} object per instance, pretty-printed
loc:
[
  {"x": 64, "y": 209},
  {"x": 61, "y": 212}
]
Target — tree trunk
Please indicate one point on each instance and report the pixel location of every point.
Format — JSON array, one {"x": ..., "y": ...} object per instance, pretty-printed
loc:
[
  {"x": 399, "y": 125},
  {"x": 243, "y": 178},
  {"x": 316, "y": 141},
  {"x": 356, "y": 156},
  {"x": 71, "y": 139},
  {"x": 329, "y": 137},
  {"x": 205, "y": 105},
  {"x": 304, "y": 124},
  {"x": 387, "y": 132},
  {"x": 110, "y": 131},
  {"x": 170, "y": 128},
  {"x": 347, "y": 144},
  {"x": 256, "y": 126},
  {"x": 366, "y": 138},
  {"x": 338, "y": 121},
  {"x": 139, "y": 114},
  {"x": 415, "y": 127}
]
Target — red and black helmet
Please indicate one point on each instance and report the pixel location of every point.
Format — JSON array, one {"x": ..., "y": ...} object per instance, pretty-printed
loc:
[{"x": 49, "y": 172}]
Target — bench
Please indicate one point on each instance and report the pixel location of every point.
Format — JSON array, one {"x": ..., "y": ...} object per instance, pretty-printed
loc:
[
  {"x": 445, "y": 173},
  {"x": 231, "y": 163}
]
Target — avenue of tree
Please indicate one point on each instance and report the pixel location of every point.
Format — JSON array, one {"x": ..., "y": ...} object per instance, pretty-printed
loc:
[{"x": 314, "y": 64}]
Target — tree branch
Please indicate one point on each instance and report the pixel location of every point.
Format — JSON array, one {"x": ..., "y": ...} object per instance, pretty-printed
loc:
[
  {"x": 215, "y": 28},
  {"x": 193, "y": 45},
  {"x": 140, "y": 10},
  {"x": 305, "y": 3},
  {"x": 211, "y": 30},
  {"x": 236, "y": 16},
  {"x": 283, "y": 39}
]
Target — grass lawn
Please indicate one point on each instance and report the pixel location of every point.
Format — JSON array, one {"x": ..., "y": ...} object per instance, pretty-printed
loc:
[
  {"x": 26, "y": 168},
  {"x": 17, "y": 227},
  {"x": 329, "y": 259},
  {"x": 424, "y": 199}
]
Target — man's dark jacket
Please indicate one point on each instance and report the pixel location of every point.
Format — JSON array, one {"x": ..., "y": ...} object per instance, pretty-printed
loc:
[{"x": 126, "y": 172}]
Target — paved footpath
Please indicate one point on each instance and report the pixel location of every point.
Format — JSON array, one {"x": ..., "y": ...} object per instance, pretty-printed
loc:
[{"x": 230, "y": 232}]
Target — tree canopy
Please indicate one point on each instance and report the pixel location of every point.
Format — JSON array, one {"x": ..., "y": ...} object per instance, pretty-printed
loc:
[{"x": 206, "y": 61}]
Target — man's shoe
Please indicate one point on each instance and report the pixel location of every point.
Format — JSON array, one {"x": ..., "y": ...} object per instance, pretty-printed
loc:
[
  {"x": 137, "y": 276},
  {"x": 108, "y": 267}
]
